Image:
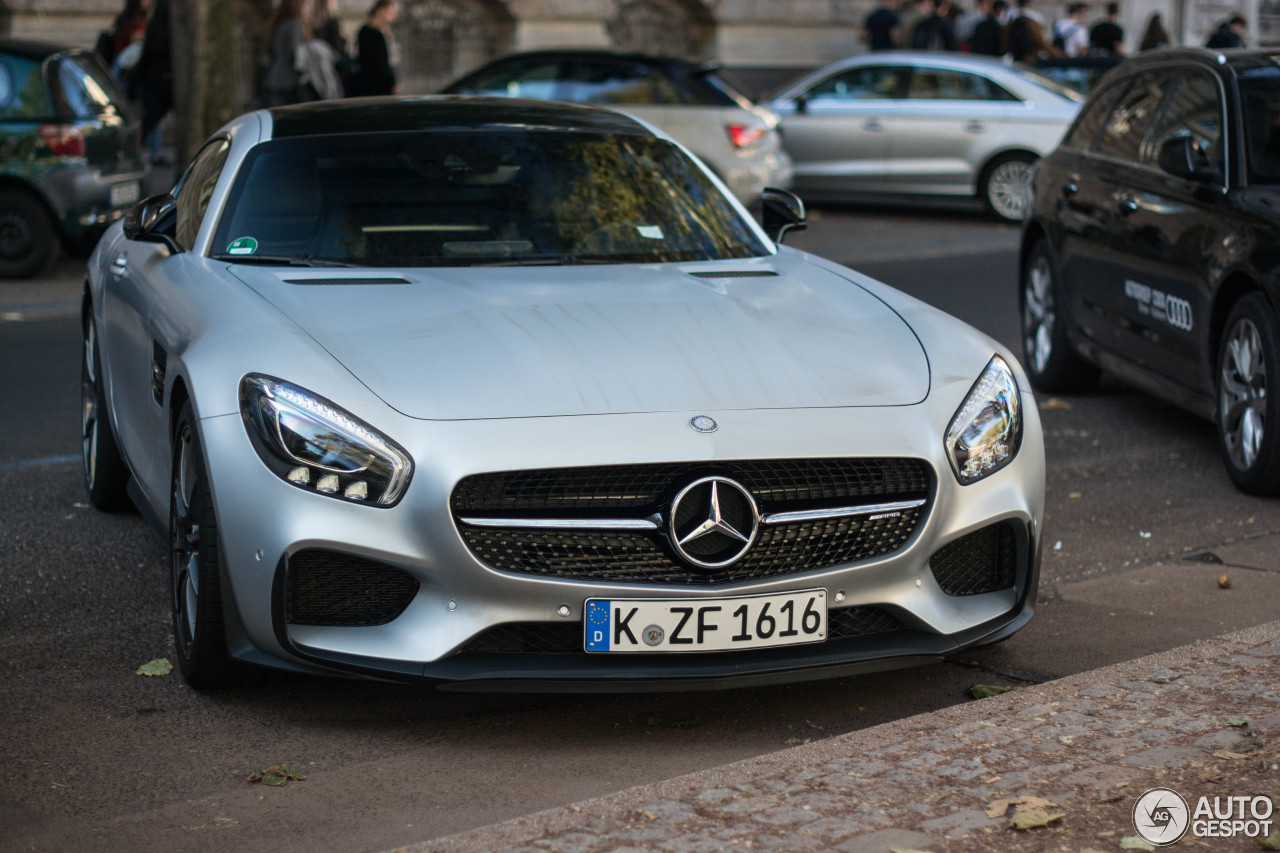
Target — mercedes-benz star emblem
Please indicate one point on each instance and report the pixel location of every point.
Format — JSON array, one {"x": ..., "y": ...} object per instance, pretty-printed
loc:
[
  {"x": 713, "y": 522},
  {"x": 703, "y": 423}
]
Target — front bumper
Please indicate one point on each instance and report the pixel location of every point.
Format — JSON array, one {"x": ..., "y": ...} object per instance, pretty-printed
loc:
[{"x": 265, "y": 521}]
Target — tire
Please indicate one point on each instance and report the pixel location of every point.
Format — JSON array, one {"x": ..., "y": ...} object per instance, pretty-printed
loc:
[
  {"x": 106, "y": 476},
  {"x": 1050, "y": 362},
  {"x": 28, "y": 235},
  {"x": 1005, "y": 186},
  {"x": 199, "y": 634},
  {"x": 1247, "y": 407}
]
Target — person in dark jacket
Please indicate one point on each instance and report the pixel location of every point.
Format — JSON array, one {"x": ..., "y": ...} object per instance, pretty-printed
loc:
[
  {"x": 374, "y": 74},
  {"x": 153, "y": 77},
  {"x": 290, "y": 30},
  {"x": 986, "y": 39},
  {"x": 932, "y": 31},
  {"x": 1230, "y": 34}
]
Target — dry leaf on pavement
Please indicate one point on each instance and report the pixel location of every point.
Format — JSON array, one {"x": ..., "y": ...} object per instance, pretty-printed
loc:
[
  {"x": 276, "y": 775},
  {"x": 159, "y": 666}
]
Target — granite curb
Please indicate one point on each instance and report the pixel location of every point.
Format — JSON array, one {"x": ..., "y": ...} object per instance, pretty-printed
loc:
[{"x": 927, "y": 779}]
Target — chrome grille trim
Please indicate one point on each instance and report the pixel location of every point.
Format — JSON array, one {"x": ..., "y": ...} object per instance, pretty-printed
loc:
[
  {"x": 838, "y": 512},
  {"x": 565, "y": 523}
]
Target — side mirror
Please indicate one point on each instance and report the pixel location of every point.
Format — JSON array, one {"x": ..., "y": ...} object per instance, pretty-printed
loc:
[
  {"x": 1181, "y": 158},
  {"x": 802, "y": 103},
  {"x": 142, "y": 221},
  {"x": 781, "y": 212}
]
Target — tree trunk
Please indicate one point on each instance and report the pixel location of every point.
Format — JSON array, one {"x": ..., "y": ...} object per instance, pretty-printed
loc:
[{"x": 205, "y": 71}]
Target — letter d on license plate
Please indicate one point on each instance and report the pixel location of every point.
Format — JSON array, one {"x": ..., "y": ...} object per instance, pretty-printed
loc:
[{"x": 706, "y": 624}]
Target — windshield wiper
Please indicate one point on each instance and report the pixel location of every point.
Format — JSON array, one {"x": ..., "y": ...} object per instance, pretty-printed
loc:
[
  {"x": 281, "y": 260},
  {"x": 565, "y": 260}
]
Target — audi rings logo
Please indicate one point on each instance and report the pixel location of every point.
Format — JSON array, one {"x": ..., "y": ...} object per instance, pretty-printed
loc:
[
  {"x": 1178, "y": 313},
  {"x": 1161, "y": 816},
  {"x": 713, "y": 522}
]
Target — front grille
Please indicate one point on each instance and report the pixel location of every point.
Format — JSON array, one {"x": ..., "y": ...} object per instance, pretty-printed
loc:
[
  {"x": 983, "y": 561},
  {"x": 326, "y": 588},
  {"x": 562, "y": 638},
  {"x": 645, "y": 491}
]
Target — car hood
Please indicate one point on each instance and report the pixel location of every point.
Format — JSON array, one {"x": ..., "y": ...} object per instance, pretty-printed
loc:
[{"x": 502, "y": 342}]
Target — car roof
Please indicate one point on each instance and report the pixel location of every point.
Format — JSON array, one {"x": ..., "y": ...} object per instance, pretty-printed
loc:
[
  {"x": 357, "y": 115},
  {"x": 29, "y": 49},
  {"x": 1236, "y": 58}
]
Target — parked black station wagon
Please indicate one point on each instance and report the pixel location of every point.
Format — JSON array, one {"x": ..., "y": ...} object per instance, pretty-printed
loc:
[{"x": 1153, "y": 249}]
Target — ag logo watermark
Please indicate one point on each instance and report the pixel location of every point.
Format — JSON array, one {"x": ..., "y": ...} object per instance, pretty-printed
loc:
[{"x": 1162, "y": 816}]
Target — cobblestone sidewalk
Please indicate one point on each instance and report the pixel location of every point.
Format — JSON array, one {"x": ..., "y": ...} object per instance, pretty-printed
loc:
[{"x": 1204, "y": 717}]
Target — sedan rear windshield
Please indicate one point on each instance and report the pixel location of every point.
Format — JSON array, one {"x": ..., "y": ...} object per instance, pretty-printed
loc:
[{"x": 477, "y": 197}]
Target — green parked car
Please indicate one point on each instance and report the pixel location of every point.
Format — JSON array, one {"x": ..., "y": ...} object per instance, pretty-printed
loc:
[{"x": 69, "y": 158}]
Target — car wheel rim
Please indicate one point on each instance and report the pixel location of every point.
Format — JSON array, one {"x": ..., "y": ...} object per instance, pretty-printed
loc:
[
  {"x": 15, "y": 236},
  {"x": 1009, "y": 189},
  {"x": 1243, "y": 395},
  {"x": 1038, "y": 315},
  {"x": 89, "y": 410},
  {"x": 185, "y": 535}
]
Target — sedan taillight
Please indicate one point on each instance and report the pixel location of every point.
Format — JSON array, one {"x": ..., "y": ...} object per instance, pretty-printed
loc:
[
  {"x": 65, "y": 140},
  {"x": 744, "y": 136}
]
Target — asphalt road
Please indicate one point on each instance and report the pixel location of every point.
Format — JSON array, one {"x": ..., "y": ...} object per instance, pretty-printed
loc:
[{"x": 96, "y": 757}]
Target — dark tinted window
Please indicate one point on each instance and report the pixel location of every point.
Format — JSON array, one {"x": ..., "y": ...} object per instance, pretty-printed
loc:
[
  {"x": 1088, "y": 127},
  {"x": 22, "y": 90},
  {"x": 1260, "y": 91},
  {"x": 944, "y": 84},
  {"x": 868, "y": 83},
  {"x": 1194, "y": 110},
  {"x": 539, "y": 80},
  {"x": 196, "y": 189},
  {"x": 460, "y": 198},
  {"x": 1133, "y": 115},
  {"x": 86, "y": 89},
  {"x": 607, "y": 82}
]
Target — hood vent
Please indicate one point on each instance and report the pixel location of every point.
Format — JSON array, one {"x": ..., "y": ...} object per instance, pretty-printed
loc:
[
  {"x": 365, "y": 280},
  {"x": 734, "y": 274}
]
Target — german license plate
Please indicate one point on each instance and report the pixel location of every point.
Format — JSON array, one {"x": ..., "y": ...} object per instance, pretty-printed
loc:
[
  {"x": 706, "y": 624},
  {"x": 126, "y": 193}
]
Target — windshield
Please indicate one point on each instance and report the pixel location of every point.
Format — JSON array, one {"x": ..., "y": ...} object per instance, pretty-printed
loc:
[
  {"x": 471, "y": 197},
  {"x": 1260, "y": 94}
]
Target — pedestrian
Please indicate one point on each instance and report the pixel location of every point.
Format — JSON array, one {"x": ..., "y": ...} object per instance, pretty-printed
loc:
[
  {"x": 1229, "y": 34},
  {"x": 881, "y": 29},
  {"x": 1156, "y": 35},
  {"x": 328, "y": 29},
  {"x": 290, "y": 29},
  {"x": 932, "y": 31},
  {"x": 1107, "y": 36},
  {"x": 1023, "y": 36},
  {"x": 152, "y": 80},
  {"x": 374, "y": 74},
  {"x": 127, "y": 35},
  {"x": 987, "y": 35},
  {"x": 1071, "y": 34},
  {"x": 967, "y": 22}
]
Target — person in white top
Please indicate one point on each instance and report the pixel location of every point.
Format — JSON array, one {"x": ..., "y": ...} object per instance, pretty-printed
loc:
[{"x": 1071, "y": 34}]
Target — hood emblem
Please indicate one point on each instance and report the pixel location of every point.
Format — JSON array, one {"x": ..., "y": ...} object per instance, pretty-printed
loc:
[
  {"x": 702, "y": 423},
  {"x": 713, "y": 522}
]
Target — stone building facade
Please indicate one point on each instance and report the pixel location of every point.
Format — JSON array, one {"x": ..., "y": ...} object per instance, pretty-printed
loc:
[{"x": 437, "y": 40}]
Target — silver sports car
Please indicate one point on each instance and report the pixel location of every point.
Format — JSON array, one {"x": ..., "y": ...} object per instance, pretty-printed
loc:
[{"x": 507, "y": 393}]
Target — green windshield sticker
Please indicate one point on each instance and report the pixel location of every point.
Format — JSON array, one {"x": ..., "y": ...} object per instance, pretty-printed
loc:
[{"x": 243, "y": 246}]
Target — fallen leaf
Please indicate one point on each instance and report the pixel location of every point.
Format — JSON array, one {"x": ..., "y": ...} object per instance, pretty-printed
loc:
[
  {"x": 1053, "y": 403},
  {"x": 1230, "y": 756},
  {"x": 1237, "y": 723},
  {"x": 986, "y": 691},
  {"x": 159, "y": 666},
  {"x": 275, "y": 776},
  {"x": 1076, "y": 495},
  {"x": 1224, "y": 581},
  {"x": 997, "y": 808},
  {"x": 1031, "y": 820},
  {"x": 1133, "y": 842},
  {"x": 1271, "y": 842}
]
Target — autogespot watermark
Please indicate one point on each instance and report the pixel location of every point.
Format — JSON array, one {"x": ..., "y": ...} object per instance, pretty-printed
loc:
[{"x": 1163, "y": 816}]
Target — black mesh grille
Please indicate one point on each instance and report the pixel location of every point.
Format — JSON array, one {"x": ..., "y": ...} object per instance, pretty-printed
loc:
[
  {"x": 641, "y": 491},
  {"x": 561, "y": 638},
  {"x": 984, "y": 561},
  {"x": 325, "y": 588}
]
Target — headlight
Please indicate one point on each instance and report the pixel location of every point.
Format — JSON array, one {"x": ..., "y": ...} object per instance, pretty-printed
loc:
[
  {"x": 313, "y": 444},
  {"x": 986, "y": 432}
]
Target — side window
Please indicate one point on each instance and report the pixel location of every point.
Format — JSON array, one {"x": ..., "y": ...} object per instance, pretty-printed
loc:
[
  {"x": 610, "y": 83},
  {"x": 1128, "y": 123},
  {"x": 196, "y": 189},
  {"x": 869, "y": 83},
  {"x": 1194, "y": 111},
  {"x": 22, "y": 91},
  {"x": 83, "y": 95},
  {"x": 941, "y": 84},
  {"x": 1088, "y": 126},
  {"x": 537, "y": 80}
]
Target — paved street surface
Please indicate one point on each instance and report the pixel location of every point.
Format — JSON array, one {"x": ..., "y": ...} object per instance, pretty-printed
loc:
[
  {"x": 1141, "y": 522},
  {"x": 1070, "y": 757}
]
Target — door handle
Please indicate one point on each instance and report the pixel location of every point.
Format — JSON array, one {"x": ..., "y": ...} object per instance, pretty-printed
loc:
[
  {"x": 975, "y": 126},
  {"x": 874, "y": 125},
  {"x": 120, "y": 265},
  {"x": 1070, "y": 188},
  {"x": 1126, "y": 205}
]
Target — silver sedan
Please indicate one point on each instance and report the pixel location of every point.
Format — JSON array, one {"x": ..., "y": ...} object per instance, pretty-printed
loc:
[
  {"x": 493, "y": 392},
  {"x": 923, "y": 124}
]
